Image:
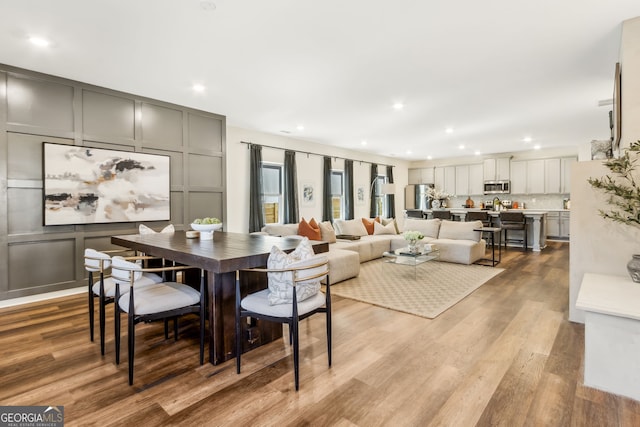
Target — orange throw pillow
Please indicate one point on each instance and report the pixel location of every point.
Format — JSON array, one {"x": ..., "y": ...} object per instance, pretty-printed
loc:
[
  {"x": 369, "y": 224},
  {"x": 306, "y": 229}
]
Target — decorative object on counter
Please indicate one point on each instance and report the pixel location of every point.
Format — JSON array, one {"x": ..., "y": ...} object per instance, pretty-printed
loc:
[
  {"x": 496, "y": 204},
  {"x": 206, "y": 227},
  {"x": 413, "y": 237},
  {"x": 435, "y": 204},
  {"x": 439, "y": 198},
  {"x": 633, "y": 267},
  {"x": 469, "y": 203}
]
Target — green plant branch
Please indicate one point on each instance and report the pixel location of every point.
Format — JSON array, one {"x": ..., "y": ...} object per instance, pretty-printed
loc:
[{"x": 620, "y": 185}]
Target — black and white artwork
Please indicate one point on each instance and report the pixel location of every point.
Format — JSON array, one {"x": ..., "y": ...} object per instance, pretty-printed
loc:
[
  {"x": 308, "y": 198},
  {"x": 85, "y": 185}
]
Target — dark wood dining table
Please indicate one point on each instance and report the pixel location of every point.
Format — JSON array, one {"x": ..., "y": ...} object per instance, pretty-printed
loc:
[{"x": 221, "y": 258}]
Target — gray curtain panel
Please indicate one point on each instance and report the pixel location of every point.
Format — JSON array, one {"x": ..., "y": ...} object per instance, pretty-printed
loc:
[
  {"x": 256, "y": 217},
  {"x": 348, "y": 190},
  {"x": 372, "y": 177},
  {"x": 290, "y": 188},
  {"x": 327, "y": 212},
  {"x": 391, "y": 198}
]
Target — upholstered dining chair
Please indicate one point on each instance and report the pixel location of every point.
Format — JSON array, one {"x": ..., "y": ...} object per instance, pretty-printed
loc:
[
  {"x": 160, "y": 301},
  {"x": 306, "y": 272},
  {"x": 441, "y": 214},
  {"x": 104, "y": 289},
  {"x": 511, "y": 220}
]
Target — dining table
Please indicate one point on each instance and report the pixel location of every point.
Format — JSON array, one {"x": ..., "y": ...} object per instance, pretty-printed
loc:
[{"x": 219, "y": 259}]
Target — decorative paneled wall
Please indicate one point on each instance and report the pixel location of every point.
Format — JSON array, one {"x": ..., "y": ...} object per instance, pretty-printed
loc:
[{"x": 37, "y": 108}]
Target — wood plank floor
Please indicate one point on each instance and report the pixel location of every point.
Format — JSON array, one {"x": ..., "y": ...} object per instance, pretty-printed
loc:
[{"x": 506, "y": 355}]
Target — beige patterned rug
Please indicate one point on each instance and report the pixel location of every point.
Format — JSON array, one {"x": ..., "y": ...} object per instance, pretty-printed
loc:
[{"x": 426, "y": 290}]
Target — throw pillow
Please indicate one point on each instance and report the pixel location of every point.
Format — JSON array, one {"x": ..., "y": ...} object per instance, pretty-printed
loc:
[
  {"x": 352, "y": 227},
  {"x": 280, "y": 284},
  {"x": 304, "y": 250},
  {"x": 384, "y": 229},
  {"x": 327, "y": 232},
  {"x": 386, "y": 221},
  {"x": 143, "y": 229},
  {"x": 306, "y": 229},
  {"x": 368, "y": 224}
]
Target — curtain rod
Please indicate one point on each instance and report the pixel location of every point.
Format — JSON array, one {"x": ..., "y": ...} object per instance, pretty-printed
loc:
[{"x": 315, "y": 154}]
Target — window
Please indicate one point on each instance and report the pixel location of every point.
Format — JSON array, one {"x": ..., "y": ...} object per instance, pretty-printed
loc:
[
  {"x": 272, "y": 192},
  {"x": 337, "y": 194},
  {"x": 381, "y": 200}
]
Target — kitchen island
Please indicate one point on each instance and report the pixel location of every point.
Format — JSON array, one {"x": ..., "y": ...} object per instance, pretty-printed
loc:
[{"x": 536, "y": 223}]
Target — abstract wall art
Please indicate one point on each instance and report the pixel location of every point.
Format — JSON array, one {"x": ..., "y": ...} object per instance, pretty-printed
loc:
[{"x": 84, "y": 185}]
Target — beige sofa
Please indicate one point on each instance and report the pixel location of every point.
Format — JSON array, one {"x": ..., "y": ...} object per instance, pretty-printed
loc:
[{"x": 456, "y": 241}]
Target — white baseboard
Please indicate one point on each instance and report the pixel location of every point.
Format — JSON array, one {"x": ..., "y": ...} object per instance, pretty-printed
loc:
[{"x": 41, "y": 297}]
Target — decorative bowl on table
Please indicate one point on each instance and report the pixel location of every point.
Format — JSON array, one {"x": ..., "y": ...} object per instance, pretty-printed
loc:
[{"x": 206, "y": 227}]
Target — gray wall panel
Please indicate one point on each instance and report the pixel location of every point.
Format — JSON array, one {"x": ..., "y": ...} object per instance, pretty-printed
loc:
[
  {"x": 205, "y": 132},
  {"x": 161, "y": 126},
  {"x": 24, "y": 154},
  {"x": 205, "y": 204},
  {"x": 177, "y": 171},
  {"x": 39, "y": 103},
  {"x": 205, "y": 171},
  {"x": 177, "y": 208},
  {"x": 41, "y": 263},
  {"x": 107, "y": 116},
  {"x": 25, "y": 210}
]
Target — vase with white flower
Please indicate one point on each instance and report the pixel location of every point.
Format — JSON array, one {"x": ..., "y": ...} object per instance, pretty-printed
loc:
[
  {"x": 413, "y": 237},
  {"x": 438, "y": 198}
]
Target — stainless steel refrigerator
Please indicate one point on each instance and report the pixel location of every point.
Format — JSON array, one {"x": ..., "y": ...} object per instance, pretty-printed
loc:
[{"x": 416, "y": 197}]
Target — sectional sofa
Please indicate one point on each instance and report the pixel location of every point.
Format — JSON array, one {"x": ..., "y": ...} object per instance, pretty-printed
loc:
[{"x": 457, "y": 242}]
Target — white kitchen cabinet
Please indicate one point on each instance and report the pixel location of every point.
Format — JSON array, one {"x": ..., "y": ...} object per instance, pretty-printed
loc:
[
  {"x": 553, "y": 224},
  {"x": 415, "y": 176},
  {"x": 496, "y": 169},
  {"x": 565, "y": 219},
  {"x": 450, "y": 180},
  {"x": 476, "y": 180},
  {"x": 427, "y": 175},
  {"x": 462, "y": 180},
  {"x": 519, "y": 177},
  {"x": 552, "y": 176},
  {"x": 566, "y": 165},
  {"x": 535, "y": 176},
  {"x": 438, "y": 178}
]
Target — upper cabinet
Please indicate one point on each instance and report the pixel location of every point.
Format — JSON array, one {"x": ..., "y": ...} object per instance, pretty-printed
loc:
[
  {"x": 421, "y": 176},
  {"x": 476, "y": 180},
  {"x": 497, "y": 169},
  {"x": 450, "y": 180},
  {"x": 541, "y": 176},
  {"x": 462, "y": 180}
]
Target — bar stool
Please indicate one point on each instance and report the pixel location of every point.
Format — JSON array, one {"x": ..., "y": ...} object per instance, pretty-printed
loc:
[
  {"x": 479, "y": 216},
  {"x": 441, "y": 215},
  {"x": 510, "y": 220}
]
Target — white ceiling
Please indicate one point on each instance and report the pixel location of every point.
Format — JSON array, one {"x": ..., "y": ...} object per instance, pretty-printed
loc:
[{"x": 496, "y": 71}]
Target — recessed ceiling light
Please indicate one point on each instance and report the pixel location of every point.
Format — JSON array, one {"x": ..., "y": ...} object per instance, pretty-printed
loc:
[
  {"x": 198, "y": 87},
  {"x": 39, "y": 41},
  {"x": 536, "y": 147},
  {"x": 398, "y": 106},
  {"x": 477, "y": 153},
  {"x": 429, "y": 157},
  {"x": 409, "y": 152},
  {"x": 527, "y": 139},
  {"x": 300, "y": 127},
  {"x": 363, "y": 142},
  {"x": 449, "y": 130},
  {"x": 461, "y": 146}
]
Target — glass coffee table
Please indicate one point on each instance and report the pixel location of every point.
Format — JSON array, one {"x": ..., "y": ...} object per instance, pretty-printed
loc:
[{"x": 406, "y": 258}]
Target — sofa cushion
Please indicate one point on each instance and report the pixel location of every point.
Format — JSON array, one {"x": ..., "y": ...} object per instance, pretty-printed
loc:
[
  {"x": 428, "y": 227},
  {"x": 327, "y": 232},
  {"x": 460, "y": 251},
  {"x": 343, "y": 264},
  {"x": 280, "y": 229},
  {"x": 352, "y": 227},
  {"x": 460, "y": 230},
  {"x": 386, "y": 221},
  {"x": 309, "y": 229},
  {"x": 378, "y": 228}
]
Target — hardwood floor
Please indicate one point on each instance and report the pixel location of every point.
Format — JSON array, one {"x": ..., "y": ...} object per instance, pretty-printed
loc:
[{"x": 505, "y": 355}]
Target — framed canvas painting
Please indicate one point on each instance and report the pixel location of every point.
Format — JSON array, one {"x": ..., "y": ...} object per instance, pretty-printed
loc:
[{"x": 84, "y": 185}]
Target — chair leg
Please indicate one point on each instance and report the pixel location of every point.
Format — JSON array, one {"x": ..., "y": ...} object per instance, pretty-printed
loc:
[
  {"x": 296, "y": 354},
  {"x": 102, "y": 313},
  {"x": 91, "y": 307},
  {"x": 131, "y": 346},
  {"x": 329, "y": 333},
  {"x": 238, "y": 326},
  {"x": 117, "y": 331}
]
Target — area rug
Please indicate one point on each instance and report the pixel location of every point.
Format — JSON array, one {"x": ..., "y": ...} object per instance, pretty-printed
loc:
[{"x": 426, "y": 291}]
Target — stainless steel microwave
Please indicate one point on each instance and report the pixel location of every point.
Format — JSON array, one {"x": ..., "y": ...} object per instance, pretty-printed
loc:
[{"x": 497, "y": 187}]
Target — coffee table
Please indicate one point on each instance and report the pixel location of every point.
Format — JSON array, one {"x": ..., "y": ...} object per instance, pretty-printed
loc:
[{"x": 404, "y": 257}]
